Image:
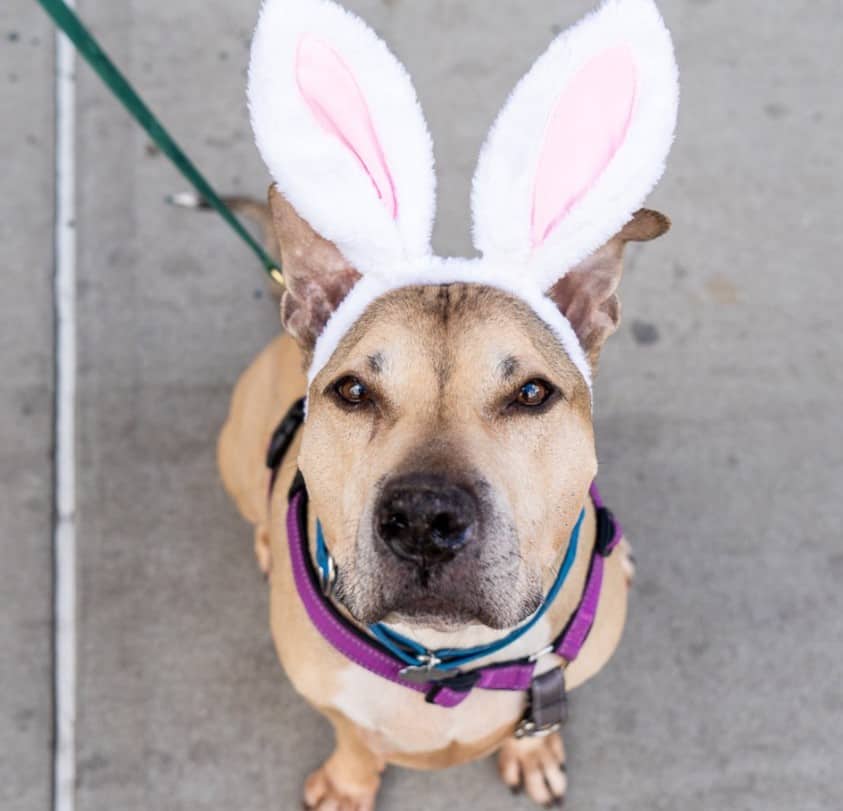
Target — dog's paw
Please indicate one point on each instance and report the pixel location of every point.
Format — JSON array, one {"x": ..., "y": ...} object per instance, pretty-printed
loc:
[
  {"x": 537, "y": 767},
  {"x": 627, "y": 560},
  {"x": 322, "y": 793}
]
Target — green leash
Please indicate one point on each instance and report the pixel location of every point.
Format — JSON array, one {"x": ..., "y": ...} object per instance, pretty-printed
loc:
[{"x": 85, "y": 43}]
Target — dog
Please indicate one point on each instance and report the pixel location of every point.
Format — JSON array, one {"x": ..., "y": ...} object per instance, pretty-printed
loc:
[{"x": 446, "y": 458}]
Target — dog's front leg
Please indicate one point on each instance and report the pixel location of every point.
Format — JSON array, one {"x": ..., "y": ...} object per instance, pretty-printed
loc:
[
  {"x": 536, "y": 766},
  {"x": 349, "y": 779}
]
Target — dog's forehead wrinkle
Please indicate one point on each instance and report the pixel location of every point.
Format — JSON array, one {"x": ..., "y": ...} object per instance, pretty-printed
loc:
[
  {"x": 375, "y": 362},
  {"x": 508, "y": 367},
  {"x": 443, "y": 363},
  {"x": 444, "y": 299},
  {"x": 451, "y": 343}
]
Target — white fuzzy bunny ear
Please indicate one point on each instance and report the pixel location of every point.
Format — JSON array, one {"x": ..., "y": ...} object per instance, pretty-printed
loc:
[
  {"x": 339, "y": 126},
  {"x": 580, "y": 143}
]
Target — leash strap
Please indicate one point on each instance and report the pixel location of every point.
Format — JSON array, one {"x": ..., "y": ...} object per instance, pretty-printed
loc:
[{"x": 66, "y": 19}]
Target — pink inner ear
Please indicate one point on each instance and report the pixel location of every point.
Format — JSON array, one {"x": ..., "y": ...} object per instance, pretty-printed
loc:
[
  {"x": 330, "y": 90},
  {"x": 586, "y": 129}
]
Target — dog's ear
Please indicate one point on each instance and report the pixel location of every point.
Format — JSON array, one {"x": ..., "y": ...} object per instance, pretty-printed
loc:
[
  {"x": 587, "y": 294},
  {"x": 317, "y": 276}
]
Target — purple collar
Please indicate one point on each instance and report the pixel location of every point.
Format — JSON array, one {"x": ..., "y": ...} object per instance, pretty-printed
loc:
[{"x": 368, "y": 653}]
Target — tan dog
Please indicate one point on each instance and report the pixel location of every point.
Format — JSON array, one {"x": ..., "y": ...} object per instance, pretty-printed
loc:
[{"x": 460, "y": 385}]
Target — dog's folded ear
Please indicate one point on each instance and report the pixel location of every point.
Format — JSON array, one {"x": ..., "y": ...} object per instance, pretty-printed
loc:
[
  {"x": 586, "y": 295},
  {"x": 317, "y": 276}
]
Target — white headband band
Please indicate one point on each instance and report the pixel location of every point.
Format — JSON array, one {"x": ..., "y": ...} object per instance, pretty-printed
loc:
[{"x": 574, "y": 152}]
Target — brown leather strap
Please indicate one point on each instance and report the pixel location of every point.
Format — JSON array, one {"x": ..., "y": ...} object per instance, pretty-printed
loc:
[{"x": 548, "y": 700}]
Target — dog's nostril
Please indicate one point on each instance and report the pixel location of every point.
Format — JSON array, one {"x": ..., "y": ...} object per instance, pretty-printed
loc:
[
  {"x": 448, "y": 528},
  {"x": 395, "y": 523}
]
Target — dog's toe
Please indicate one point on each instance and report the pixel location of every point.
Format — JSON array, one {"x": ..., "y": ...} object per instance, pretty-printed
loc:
[
  {"x": 536, "y": 766},
  {"x": 322, "y": 794}
]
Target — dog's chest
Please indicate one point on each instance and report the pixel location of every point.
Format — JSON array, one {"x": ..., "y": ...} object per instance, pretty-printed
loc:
[{"x": 399, "y": 720}]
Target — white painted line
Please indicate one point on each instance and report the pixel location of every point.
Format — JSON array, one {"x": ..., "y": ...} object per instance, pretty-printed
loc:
[{"x": 64, "y": 539}]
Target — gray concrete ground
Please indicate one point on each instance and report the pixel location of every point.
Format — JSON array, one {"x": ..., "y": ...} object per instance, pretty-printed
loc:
[
  {"x": 26, "y": 403},
  {"x": 718, "y": 413}
]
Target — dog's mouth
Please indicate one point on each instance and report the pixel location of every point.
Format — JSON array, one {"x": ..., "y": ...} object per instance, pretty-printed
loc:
[
  {"x": 442, "y": 615},
  {"x": 489, "y": 588}
]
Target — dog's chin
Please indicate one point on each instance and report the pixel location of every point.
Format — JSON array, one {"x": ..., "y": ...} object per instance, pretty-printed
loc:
[
  {"x": 498, "y": 612},
  {"x": 446, "y": 621}
]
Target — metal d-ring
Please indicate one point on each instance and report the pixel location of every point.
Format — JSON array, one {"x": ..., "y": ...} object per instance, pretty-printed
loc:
[
  {"x": 328, "y": 577},
  {"x": 529, "y": 729},
  {"x": 426, "y": 671},
  {"x": 534, "y": 657}
]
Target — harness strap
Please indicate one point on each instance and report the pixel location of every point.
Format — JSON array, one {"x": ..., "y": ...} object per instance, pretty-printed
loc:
[
  {"x": 369, "y": 654},
  {"x": 282, "y": 438},
  {"x": 569, "y": 643},
  {"x": 517, "y": 675},
  {"x": 609, "y": 529},
  {"x": 328, "y": 621}
]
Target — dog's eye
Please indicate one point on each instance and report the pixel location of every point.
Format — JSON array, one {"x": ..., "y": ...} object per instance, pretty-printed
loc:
[
  {"x": 533, "y": 393},
  {"x": 351, "y": 390}
]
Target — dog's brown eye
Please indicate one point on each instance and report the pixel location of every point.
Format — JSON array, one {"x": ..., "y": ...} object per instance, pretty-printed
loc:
[
  {"x": 533, "y": 393},
  {"x": 351, "y": 390}
]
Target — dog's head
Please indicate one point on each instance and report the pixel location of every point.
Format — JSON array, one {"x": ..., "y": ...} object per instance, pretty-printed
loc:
[{"x": 448, "y": 446}]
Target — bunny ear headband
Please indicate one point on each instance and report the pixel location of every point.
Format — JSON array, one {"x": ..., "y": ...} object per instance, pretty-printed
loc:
[{"x": 573, "y": 153}]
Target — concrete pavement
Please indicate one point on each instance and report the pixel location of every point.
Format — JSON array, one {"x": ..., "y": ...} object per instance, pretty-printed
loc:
[
  {"x": 26, "y": 405},
  {"x": 718, "y": 420}
]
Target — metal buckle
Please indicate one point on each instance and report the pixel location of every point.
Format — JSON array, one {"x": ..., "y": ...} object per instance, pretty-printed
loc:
[
  {"x": 539, "y": 653},
  {"x": 328, "y": 578},
  {"x": 528, "y": 729},
  {"x": 426, "y": 672}
]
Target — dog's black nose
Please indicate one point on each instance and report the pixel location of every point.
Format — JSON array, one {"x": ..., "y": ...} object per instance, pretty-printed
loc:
[{"x": 425, "y": 519}]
